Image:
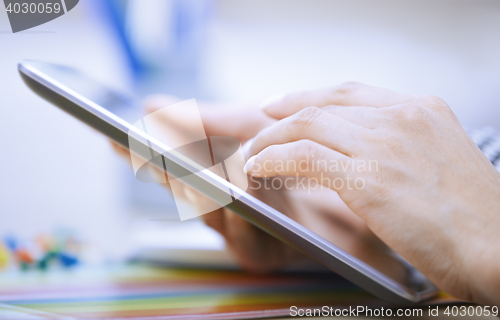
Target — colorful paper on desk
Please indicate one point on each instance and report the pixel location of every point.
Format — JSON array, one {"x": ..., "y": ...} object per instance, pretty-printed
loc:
[{"x": 139, "y": 292}]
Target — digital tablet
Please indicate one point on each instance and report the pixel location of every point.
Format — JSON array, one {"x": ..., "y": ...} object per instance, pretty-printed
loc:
[{"x": 384, "y": 274}]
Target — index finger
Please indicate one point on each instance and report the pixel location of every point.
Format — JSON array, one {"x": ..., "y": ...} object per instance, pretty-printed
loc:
[
  {"x": 218, "y": 119},
  {"x": 347, "y": 94}
]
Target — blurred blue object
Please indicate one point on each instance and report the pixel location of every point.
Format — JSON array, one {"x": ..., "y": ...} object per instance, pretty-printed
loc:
[
  {"x": 159, "y": 35},
  {"x": 114, "y": 12},
  {"x": 11, "y": 243},
  {"x": 67, "y": 260}
]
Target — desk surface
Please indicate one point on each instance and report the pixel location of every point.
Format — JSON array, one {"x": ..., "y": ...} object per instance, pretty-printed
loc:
[{"x": 138, "y": 292}]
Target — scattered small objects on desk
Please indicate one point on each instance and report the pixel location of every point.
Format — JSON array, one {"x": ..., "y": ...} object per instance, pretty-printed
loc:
[
  {"x": 4, "y": 256},
  {"x": 60, "y": 249}
]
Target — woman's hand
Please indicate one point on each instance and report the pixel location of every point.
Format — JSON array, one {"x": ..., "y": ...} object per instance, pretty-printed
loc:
[
  {"x": 404, "y": 164},
  {"x": 321, "y": 210}
]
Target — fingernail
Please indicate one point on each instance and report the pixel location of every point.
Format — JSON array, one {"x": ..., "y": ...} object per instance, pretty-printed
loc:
[
  {"x": 275, "y": 98},
  {"x": 249, "y": 165}
]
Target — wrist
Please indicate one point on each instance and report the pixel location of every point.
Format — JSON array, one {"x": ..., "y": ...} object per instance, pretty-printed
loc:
[
  {"x": 483, "y": 276},
  {"x": 481, "y": 254}
]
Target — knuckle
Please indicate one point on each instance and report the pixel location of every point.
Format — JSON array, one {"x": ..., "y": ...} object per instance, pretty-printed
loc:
[
  {"x": 305, "y": 147},
  {"x": 415, "y": 114},
  {"x": 306, "y": 118},
  {"x": 433, "y": 100},
  {"x": 418, "y": 113},
  {"x": 346, "y": 87},
  {"x": 436, "y": 103}
]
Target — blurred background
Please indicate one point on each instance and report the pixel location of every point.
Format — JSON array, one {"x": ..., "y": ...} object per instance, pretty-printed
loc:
[{"x": 57, "y": 174}]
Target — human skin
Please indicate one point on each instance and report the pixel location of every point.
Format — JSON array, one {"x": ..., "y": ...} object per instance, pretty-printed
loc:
[
  {"x": 434, "y": 198},
  {"x": 319, "y": 210}
]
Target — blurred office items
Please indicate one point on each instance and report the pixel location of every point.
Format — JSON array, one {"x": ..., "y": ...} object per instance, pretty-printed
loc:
[
  {"x": 4, "y": 256},
  {"x": 164, "y": 41},
  {"x": 61, "y": 249},
  {"x": 55, "y": 171}
]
